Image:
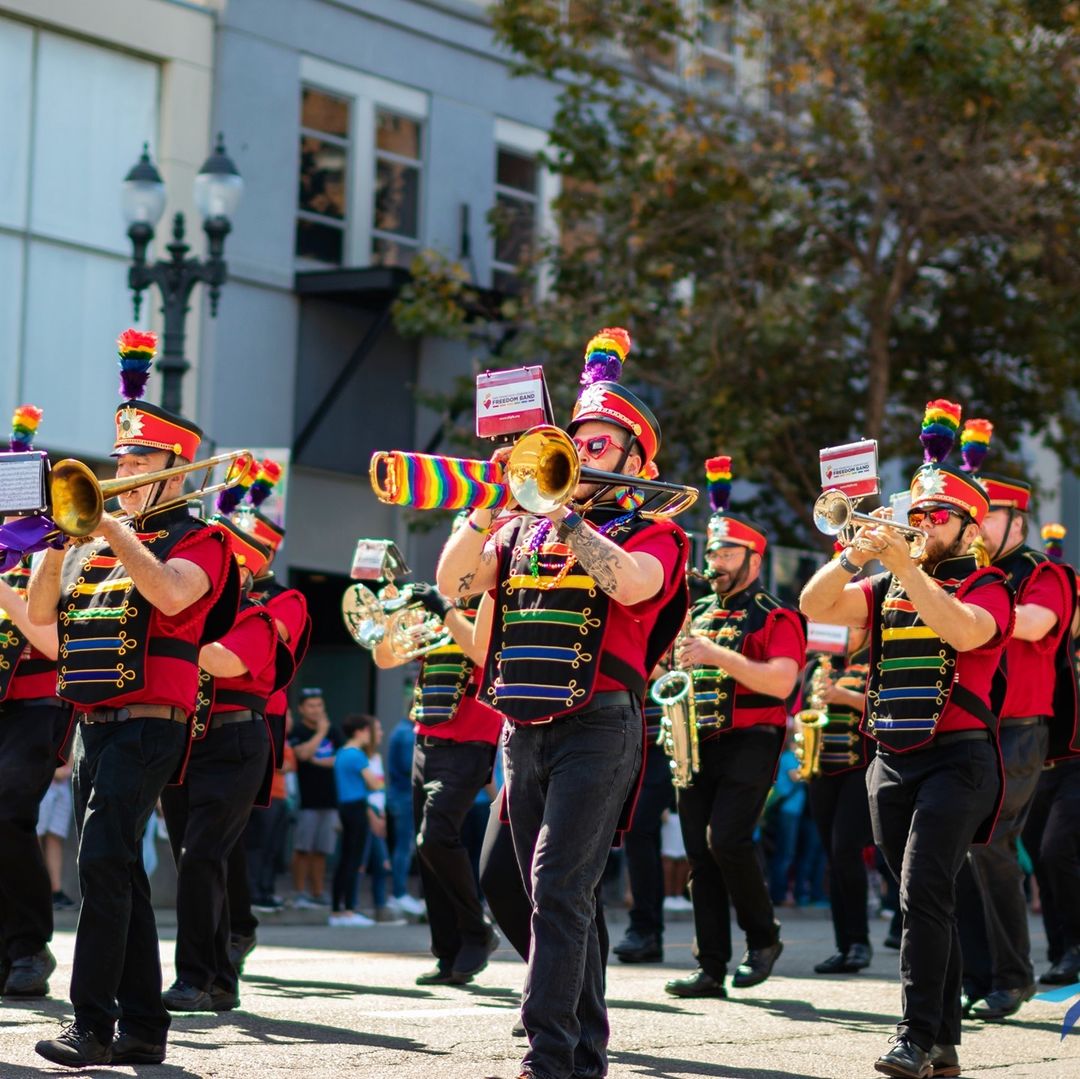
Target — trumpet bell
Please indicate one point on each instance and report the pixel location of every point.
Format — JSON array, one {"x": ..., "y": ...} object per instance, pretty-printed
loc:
[
  {"x": 832, "y": 512},
  {"x": 363, "y": 616},
  {"x": 543, "y": 470},
  {"x": 76, "y": 496}
]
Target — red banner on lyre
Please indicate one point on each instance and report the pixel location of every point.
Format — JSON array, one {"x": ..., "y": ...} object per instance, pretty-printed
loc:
[{"x": 851, "y": 468}]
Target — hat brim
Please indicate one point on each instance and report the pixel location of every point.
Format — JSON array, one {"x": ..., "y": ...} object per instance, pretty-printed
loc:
[{"x": 138, "y": 451}]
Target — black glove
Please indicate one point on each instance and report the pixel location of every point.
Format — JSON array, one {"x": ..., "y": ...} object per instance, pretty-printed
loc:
[{"x": 429, "y": 597}]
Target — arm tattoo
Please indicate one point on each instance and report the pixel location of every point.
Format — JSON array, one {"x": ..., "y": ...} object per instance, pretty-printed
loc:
[
  {"x": 487, "y": 557},
  {"x": 464, "y": 582},
  {"x": 599, "y": 556}
]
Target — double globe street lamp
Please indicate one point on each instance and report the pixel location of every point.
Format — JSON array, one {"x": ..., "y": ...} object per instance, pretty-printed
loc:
[{"x": 217, "y": 191}]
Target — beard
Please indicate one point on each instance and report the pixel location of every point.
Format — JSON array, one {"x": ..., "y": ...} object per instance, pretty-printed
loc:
[{"x": 938, "y": 550}]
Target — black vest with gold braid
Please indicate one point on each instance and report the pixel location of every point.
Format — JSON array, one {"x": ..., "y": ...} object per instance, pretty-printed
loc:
[
  {"x": 1022, "y": 568},
  {"x": 913, "y": 671},
  {"x": 549, "y": 628},
  {"x": 12, "y": 641},
  {"x": 443, "y": 681},
  {"x": 843, "y": 748},
  {"x": 104, "y": 620},
  {"x": 729, "y": 621}
]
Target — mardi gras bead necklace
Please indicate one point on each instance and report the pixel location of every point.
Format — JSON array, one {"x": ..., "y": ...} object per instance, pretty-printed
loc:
[{"x": 537, "y": 542}]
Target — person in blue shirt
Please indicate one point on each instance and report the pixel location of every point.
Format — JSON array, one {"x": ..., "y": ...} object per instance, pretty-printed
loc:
[
  {"x": 785, "y": 809},
  {"x": 399, "y": 811},
  {"x": 355, "y": 780}
]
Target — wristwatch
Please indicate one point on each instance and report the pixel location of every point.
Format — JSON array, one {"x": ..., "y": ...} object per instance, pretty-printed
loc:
[
  {"x": 571, "y": 522},
  {"x": 847, "y": 565}
]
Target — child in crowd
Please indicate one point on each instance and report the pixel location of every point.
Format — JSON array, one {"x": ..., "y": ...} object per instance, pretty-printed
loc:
[{"x": 54, "y": 823}]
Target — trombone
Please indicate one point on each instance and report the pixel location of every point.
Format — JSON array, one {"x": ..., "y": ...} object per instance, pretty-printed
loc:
[
  {"x": 835, "y": 515},
  {"x": 541, "y": 474}
]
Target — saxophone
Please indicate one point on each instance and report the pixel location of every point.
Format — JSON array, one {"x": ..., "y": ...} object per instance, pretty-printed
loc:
[
  {"x": 674, "y": 692},
  {"x": 810, "y": 723}
]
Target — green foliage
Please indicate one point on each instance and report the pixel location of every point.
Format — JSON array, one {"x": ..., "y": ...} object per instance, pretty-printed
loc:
[{"x": 886, "y": 212}]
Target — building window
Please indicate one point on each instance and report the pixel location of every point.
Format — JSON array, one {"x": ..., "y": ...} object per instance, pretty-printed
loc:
[
  {"x": 517, "y": 195},
  {"x": 717, "y": 49},
  {"x": 395, "y": 232},
  {"x": 322, "y": 212}
]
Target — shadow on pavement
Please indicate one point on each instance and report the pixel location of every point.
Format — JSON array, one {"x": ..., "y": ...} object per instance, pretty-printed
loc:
[
  {"x": 300, "y": 987},
  {"x": 802, "y": 1011},
  {"x": 157, "y": 1071},
  {"x": 670, "y": 1068},
  {"x": 647, "y": 1006}
]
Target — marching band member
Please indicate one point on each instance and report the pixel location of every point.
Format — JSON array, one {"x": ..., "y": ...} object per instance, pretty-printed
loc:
[
  {"x": 1052, "y": 833},
  {"x": 456, "y": 736},
  {"x": 134, "y": 607},
  {"x": 33, "y": 722},
  {"x": 1037, "y": 669},
  {"x": 228, "y": 763},
  {"x": 937, "y": 627},
  {"x": 586, "y": 604},
  {"x": 745, "y": 650},
  {"x": 840, "y": 809}
]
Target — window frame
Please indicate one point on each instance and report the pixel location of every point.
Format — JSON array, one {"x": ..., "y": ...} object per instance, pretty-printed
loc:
[{"x": 366, "y": 94}]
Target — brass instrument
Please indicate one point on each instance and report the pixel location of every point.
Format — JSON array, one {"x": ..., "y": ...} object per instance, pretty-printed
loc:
[
  {"x": 674, "y": 692},
  {"x": 409, "y": 628},
  {"x": 811, "y": 722},
  {"x": 541, "y": 474},
  {"x": 77, "y": 497},
  {"x": 835, "y": 515}
]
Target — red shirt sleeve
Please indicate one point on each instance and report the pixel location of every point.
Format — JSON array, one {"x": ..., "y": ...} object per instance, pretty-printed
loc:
[
  {"x": 1048, "y": 591},
  {"x": 867, "y": 586},
  {"x": 787, "y": 639},
  {"x": 252, "y": 641},
  {"x": 207, "y": 552},
  {"x": 291, "y": 610},
  {"x": 996, "y": 599},
  {"x": 661, "y": 544}
]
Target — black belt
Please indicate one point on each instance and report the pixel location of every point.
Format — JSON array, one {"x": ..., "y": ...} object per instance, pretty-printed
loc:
[
  {"x": 434, "y": 743},
  {"x": 136, "y": 711},
  {"x": 1025, "y": 721},
  {"x": 939, "y": 740},
  {"x": 223, "y": 719},
  {"x": 37, "y": 702},
  {"x": 609, "y": 698}
]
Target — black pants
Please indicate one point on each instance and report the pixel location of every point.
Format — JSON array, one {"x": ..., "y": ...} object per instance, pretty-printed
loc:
[
  {"x": 30, "y": 738},
  {"x": 996, "y": 872},
  {"x": 925, "y": 807},
  {"x": 242, "y": 920},
  {"x": 842, "y": 815},
  {"x": 263, "y": 843},
  {"x": 446, "y": 779},
  {"x": 354, "y": 837},
  {"x": 118, "y": 772},
  {"x": 205, "y": 817},
  {"x": 718, "y": 813},
  {"x": 1052, "y": 839},
  {"x": 642, "y": 845}
]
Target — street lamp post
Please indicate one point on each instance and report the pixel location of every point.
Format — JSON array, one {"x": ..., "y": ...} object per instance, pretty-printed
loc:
[{"x": 218, "y": 187}]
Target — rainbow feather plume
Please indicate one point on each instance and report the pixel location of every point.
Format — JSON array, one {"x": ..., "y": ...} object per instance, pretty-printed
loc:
[
  {"x": 1053, "y": 536},
  {"x": 604, "y": 356},
  {"x": 24, "y": 425},
  {"x": 975, "y": 443},
  {"x": 718, "y": 478},
  {"x": 939, "y": 426},
  {"x": 137, "y": 351},
  {"x": 231, "y": 497},
  {"x": 266, "y": 479}
]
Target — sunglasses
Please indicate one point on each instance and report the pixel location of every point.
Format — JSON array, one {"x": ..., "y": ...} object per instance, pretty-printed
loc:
[
  {"x": 917, "y": 518},
  {"x": 594, "y": 447}
]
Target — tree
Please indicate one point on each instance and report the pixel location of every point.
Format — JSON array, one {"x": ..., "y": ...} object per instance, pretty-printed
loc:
[{"x": 885, "y": 212}]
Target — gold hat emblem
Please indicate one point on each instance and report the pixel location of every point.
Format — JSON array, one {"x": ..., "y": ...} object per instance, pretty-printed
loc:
[{"x": 129, "y": 424}]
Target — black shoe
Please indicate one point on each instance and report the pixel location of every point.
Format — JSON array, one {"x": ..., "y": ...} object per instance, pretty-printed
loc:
[
  {"x": 440, "y": 975},
  {"x": 1066, "y": 970},
  {"x": 756, "y": 965},
  {"x": 240, "y": 947},
  {"x": 1002, "y": 1003},
  {"x": 905, "y": 1060},
  {"x": 835, "y": 964},
  {"x": 892, "y": 940},
  {"x": 859, "y": 956},
  {"x": 76, "y": 1046},
  {"x": 698, "y": 984},
  {"x": 967, "y": 1002},
  {"x": 638, "y": 947},
  {"x": 518, "y": 1030},
  {"x": 60, "y": 901},
  {"x": 944, "y": 1061},
  {"x": 472, "y": 958},
  {"x": 127, "y": 1049},
  {"x": 29, "y": 976},
  {"x": 223, "y": 999},
  {"x": 181, "y": 997}
]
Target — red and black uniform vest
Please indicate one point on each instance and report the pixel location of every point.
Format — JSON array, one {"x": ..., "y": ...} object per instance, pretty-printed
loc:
[
  {"x": 913, "y": 670},
  {"x": 729, "y": 621},
  {"x": 843, "y": 747},
  {"x": 104, "y": 622},
  {"x": 445, "y": 679},
  {"x": 1022, "y": 568},
  {"x": 547, "y": 643},
  {"x": 25, "y": 673}
]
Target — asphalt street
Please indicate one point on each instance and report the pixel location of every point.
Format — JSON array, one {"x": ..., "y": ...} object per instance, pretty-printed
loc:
[{"x": 324, "y": 1003}]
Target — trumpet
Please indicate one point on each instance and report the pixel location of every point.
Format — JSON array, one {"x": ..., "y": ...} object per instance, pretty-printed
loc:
[
  {"x": 835, "y": 515},
  {"x": 542, "y": 473},
  {"x": 410, "y": 630}
]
